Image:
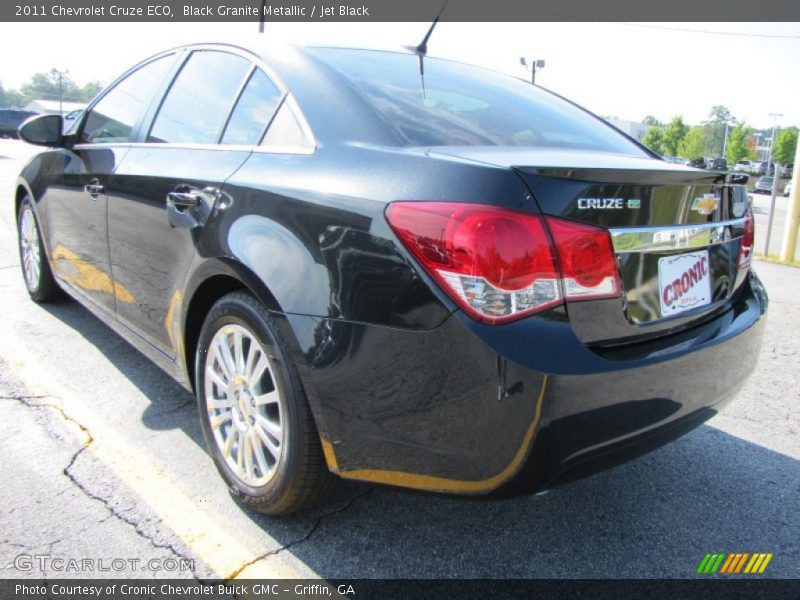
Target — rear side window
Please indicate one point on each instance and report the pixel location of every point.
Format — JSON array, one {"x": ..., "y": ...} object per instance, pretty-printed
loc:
[
  {"x": 198, "y": 102},
  {"x": 113, "y": 118},
  {"x": 286, "y": 133},
  {"x": 460, "y": 105},
  {"x": 253, "y": 110}
]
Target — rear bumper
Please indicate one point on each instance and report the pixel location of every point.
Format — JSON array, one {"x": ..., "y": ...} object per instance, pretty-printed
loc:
[{"x": 472, "y": 409}]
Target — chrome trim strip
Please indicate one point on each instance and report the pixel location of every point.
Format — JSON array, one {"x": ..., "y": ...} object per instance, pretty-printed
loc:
[{"x": 674, "y": 237}]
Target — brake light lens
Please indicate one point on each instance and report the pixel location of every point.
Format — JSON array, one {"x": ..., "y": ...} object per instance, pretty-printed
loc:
[
  {"x": 498, "y": 264},
  {"x": 748, "y": 238},
  {"x": 588, "y": 263}
]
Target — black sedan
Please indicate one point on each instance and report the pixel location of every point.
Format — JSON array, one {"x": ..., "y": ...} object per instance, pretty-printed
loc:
[
  {"x": 717, "y": 164},
  {"x": 448, "y": 280},
  {"x": 764, "y": 185},
  {"x": 697, "y": 163}
]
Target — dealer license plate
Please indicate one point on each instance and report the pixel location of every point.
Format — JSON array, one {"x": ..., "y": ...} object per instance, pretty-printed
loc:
[{"x": 684, "y": 282}]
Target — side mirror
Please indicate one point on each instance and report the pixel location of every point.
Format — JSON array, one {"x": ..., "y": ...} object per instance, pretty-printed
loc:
[{"x": 42, "y": 130}]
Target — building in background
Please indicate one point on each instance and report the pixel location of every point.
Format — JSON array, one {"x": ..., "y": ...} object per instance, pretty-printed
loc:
[
  {"x": 632, "y": 128},
  {"x": 53, "y": 107}
]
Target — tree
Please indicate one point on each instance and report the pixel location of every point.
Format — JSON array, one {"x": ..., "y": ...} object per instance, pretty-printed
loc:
[
  {"x": 650, "y": 121},
  {"x": 693, "y": 144},
  {"x": 785, "y": 146},
  {"x": 720, "y": 113},
  {"x": 673, "y": 134},
  {"x": 737, "y": 148},
  {"x": 716, "y": 124},
  {"x": 90, "y": 90},
  {"x": 9, "y": 98},
  {"x": 654, "y": 138},
  {"x": 56, "y": 84}
]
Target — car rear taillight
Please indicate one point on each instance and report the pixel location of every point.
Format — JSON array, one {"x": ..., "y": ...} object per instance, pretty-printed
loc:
[
  {"x": 588, "y": 264},
  {"x": 746, "y": 249},
  {"x": 500, "y": 264}
]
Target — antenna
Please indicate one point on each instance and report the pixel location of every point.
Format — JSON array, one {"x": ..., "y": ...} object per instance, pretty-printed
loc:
[
  {"x": 421, "y": 49},
  {"x": 261, "y": 16}
]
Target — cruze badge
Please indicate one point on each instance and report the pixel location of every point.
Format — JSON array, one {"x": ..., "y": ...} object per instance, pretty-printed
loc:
[
  {"x": 705, "y": 204},
  {"x": 604, "y": 203}
]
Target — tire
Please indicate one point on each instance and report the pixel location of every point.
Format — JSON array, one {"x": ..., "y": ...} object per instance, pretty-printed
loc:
[
  {"x": 39, "y": 280},
  {"x": 253, "y": 400}
]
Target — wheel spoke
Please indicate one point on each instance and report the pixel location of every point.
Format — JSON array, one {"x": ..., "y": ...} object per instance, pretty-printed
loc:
[
  {"x": 238, "y": 350},
  {"x": 268, "y": 398},
  {"x": 224, "y": 358},
  {"x": 240, "y": 450},
  {"x": 219, "y": 403},
  {"x": 258, "y": 450},
  {"x": 258, "y": 369},
  {"x": 268, "y": 443},
  {"x": 217, "y": 420},
  {"x": 216, "y": 365},
  {"x": 248, "y": 457},
  {"x": 226, "y": 448},
  {"x": 218, "y": 380},
  {"x": 252, "y": 352},
  {"x": 271, "y": 428}
]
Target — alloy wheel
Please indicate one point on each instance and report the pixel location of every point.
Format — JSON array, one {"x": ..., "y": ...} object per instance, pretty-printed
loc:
[
  {"x": 245, "y": 407},
  {"x": 30, "y": 247}
]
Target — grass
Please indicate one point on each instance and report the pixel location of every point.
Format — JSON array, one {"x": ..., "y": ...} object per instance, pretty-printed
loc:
[{"x": 773, "y": 258}]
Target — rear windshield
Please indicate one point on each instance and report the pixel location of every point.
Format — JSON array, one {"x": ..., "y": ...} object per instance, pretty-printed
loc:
[{"x": 461, "y": 105}]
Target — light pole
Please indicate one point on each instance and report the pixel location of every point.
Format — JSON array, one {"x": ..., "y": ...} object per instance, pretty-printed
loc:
[
  {"x": 536, "y": 64},
  {"x": 61, "y": 90},
  {"x": 758, "y": 135},
  {"x": 725, "y": 139},
  {"x": 775, "y": 179},
  {"x": 772, "y": 141}
]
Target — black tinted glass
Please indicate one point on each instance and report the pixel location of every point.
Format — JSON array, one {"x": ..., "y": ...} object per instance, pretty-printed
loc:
[
  {"x": 462, "y": 105},
  {"x": 253, "y": 111},
  {"x": 196, "y": 106},
  {"x": 112, "y": 119}
]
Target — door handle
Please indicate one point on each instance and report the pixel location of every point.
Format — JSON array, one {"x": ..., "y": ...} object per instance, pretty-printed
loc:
[
  {"x": 95, "y": 188},
  {"x": 184, "y": 199}
]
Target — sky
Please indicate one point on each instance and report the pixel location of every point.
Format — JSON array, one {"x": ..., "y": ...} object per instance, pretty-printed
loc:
[{"x": 623, "y": 70}]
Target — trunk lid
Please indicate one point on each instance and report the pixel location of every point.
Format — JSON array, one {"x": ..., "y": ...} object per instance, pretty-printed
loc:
[{"x": 676, "y": 232}]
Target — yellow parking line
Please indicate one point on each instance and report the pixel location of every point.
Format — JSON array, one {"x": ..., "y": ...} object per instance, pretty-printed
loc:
[{"x": 207, "y": 535}]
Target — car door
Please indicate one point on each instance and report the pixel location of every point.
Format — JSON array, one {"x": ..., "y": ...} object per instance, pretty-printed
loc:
[
  {"x": 162, "y": 193},
  {"x": 77, "y": 200}
]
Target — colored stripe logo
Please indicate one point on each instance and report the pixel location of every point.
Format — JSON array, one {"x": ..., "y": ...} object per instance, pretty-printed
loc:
[{"x": 732, "y": 563}]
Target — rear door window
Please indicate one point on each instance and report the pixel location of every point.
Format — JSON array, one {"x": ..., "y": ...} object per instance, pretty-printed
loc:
[
  {"x": 253, "y": 111},
  {"x": 114, "y": 117},
  {"x": 197, "y": 104}
]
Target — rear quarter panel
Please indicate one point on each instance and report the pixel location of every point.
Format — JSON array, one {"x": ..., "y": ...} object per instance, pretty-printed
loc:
[{"x": 312, "y": 229}]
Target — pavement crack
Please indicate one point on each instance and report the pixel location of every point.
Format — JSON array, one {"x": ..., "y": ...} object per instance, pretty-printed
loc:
[
  {"x": 113, "y": 512},
  {"x": 306, "y": 537},
  {"x": 33, "y": 401}
]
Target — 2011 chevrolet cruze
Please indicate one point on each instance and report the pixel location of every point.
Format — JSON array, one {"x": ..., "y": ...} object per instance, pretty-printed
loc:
[{"x": 448, "y": 279}]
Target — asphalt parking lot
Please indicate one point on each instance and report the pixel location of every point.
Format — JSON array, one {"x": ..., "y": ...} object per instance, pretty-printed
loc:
[{"x": 102, "y": 458}]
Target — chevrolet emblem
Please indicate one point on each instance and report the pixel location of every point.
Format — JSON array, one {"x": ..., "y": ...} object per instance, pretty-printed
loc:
[{"x": 706, "y": 204}]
